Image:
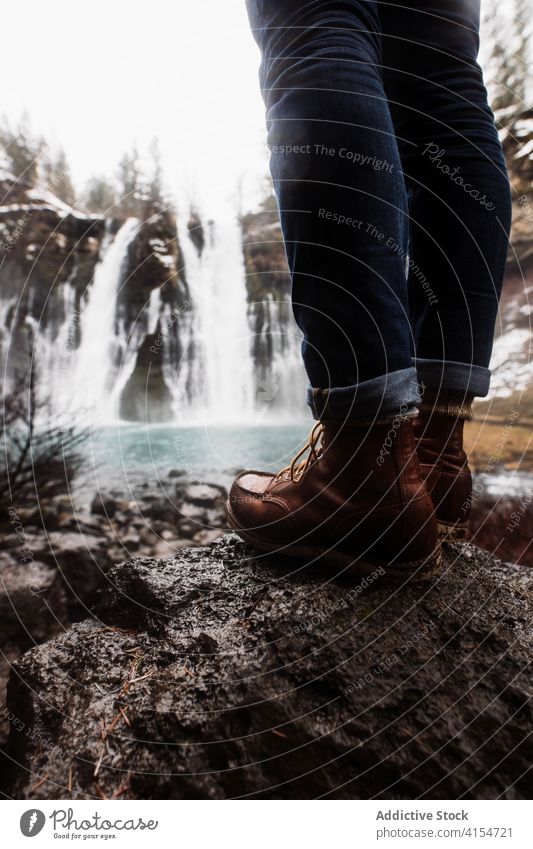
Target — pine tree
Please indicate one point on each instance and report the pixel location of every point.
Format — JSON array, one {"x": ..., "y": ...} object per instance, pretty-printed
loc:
[
  {"x": 129, "y": 183},
  {"x": 22, "y": 150},
  {"x": 59, "y": 180},
  {"x": 523, "y": 12},
  {"x": 155, "y": 185},
  {"x": 100, "y": 196}
]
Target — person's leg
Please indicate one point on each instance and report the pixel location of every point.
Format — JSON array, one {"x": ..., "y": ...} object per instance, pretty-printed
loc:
[
  {"x": 460, "y": 208},
  {"x": 358, "y": 497},
  {"x": 342, "y": 200},
  {"x": 460, "y": 199}
]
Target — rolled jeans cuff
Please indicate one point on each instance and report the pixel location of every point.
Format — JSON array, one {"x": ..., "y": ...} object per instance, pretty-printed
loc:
[
  {"x": 447, "y": 374},
  {"x": 386, "y": 395}
]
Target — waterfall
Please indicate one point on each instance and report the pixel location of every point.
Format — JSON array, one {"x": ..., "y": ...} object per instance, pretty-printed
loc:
[
  {"x": 154, "y": 310},
  {"x": 224, "y": 360},
  {"x": 93, "y": 377},
  {"x": 55, "y": 352},
  {"x": 280, "y": 376},
  {"x": 220, "y": 386}
]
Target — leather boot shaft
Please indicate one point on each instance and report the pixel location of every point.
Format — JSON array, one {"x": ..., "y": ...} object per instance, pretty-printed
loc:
[{"x": 444, "y": 467}]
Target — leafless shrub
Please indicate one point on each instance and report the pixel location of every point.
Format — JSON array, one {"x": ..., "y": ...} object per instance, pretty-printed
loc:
[{"x": 38, "y": 460}]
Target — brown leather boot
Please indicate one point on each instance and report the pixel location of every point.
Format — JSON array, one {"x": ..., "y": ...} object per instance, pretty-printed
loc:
[
  {"x": 356, "y": 501},
  {"x": 444, "y": 465}
]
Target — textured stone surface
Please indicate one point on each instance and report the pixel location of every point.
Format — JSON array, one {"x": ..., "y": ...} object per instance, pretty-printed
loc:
[
  {"x": 33, "y": 608},
  {"x": 32, "y": 602},
  {"x": 220, "y": 673}
]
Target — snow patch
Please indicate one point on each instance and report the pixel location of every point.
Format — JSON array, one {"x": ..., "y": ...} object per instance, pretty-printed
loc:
[{"x": 511, "y": 364}]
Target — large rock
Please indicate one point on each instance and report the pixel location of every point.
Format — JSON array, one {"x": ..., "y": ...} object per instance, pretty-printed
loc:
[
  {"x": 220, "y": 673},
  {"x": 104, "y": 505},
  {"x": 79, "y": 560},
  {"x": 503, "y": 524},
  {"x": 201, "y": 494},
  {"x": 33, "y": 608},
  {"x": 33, "y": 604},
  {"x": 201, "y": 509}
]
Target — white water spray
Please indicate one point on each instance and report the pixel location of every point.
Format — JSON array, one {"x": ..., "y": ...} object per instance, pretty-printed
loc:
[
  {"x": 222, "y": 379},
  {"x": 93, "y": 370}
]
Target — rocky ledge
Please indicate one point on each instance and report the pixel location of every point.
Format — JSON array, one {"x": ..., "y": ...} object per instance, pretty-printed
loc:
[{"x": 219, "y": 673}]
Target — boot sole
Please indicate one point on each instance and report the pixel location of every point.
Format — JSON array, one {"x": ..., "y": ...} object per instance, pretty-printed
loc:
[
  {"x": 416, "y": 570},
  {"x": 452, "y": 533}
]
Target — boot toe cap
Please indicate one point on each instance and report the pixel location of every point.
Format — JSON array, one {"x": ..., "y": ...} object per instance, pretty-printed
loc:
[
  {"x": 245, "y": 501},
  {"x": 254, "y": 483}
]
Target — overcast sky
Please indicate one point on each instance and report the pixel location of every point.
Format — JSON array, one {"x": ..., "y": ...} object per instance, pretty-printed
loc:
[{"x": 96, "y": 77}]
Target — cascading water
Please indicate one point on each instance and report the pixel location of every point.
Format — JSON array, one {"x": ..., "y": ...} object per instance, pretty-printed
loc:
[
  {"x": 55, "y": 355},
  {"x": 281, "y": 380},
  {"x": 220, "y": 387},
  {"x": 92, "y": 384},
  {"x": 221, "y": 366}
]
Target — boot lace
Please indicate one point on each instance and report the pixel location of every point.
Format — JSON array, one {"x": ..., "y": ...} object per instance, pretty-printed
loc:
[{"x": 296, "y": 470}]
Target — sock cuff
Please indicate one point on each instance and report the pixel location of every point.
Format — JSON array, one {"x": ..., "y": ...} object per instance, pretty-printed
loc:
[
  {"x": 379, "y": 421},
  {"x": 446, "y": 402}
]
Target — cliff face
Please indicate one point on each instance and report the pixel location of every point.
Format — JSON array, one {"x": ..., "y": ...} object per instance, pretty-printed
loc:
[
  {"x": 220, "y": 674},
  {"x": 268, "y": 284},
  {"x": 44, "y": 246},
  {"x": 517, "y": 142},
  {"x": 264, "y": 253},
  {"x": 154, "y": 265},
  {"x": 44, "y": 243},
  {"x": 154, "y": 262}
]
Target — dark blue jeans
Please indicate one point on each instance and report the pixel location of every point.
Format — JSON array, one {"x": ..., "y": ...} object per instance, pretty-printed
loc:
[{"x": 392, "y": 191}]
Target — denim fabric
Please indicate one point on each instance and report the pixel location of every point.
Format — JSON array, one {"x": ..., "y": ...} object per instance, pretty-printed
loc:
[
  {"x": 446, "y": 374},
  {"x": 391, "y": 393},
  {"x": 391, "y": 186}
]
